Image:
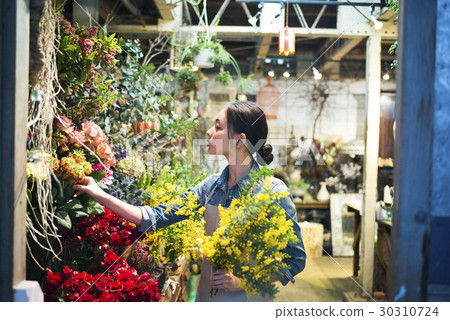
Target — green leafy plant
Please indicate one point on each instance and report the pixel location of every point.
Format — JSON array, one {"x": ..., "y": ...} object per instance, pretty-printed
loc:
[
  {"x": 224, "y": 78},
  {"x": 188, "y": 80},
  {"x": 207, "y": 40},
  {"x": 82, "y": 53},
  {"x": 393, "y": 5}
]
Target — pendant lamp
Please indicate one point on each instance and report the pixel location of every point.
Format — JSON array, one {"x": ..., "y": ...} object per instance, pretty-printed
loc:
[{"x": 286, "y": 37}]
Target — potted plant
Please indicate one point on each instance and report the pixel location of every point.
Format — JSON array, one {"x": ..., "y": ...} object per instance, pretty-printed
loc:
[
  {"x": 188, "y": 80},
  {"x": 224, "y": 77},
  {"x": 207, "y": 51}
]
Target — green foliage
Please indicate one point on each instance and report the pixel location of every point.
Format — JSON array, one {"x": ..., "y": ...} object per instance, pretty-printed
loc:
[
  {"x": 393, "y": 5},
  {"x": 82, "y": 53},
  {"x": 188, "y": 80},
  {"x": 224, "y": 78}
]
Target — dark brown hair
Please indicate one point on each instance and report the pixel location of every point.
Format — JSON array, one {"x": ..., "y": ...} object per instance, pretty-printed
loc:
[{"x": 249, "y": 118}]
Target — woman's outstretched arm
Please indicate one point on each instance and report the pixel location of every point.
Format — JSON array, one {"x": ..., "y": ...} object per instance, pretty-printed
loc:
[{"x": 127, "y": 211}]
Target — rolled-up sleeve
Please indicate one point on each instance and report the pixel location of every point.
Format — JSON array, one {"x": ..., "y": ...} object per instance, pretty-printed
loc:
[{"x": 297, "y": 259}]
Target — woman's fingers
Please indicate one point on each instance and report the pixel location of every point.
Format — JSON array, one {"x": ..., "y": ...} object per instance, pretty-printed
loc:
[
  {"x": 80, "y": 188},
  {"x": 77, "y": 194},
  {"x": 220, "y": 280}
]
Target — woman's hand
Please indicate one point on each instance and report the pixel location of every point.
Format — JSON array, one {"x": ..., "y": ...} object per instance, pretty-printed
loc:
[
  {"x": 89, "y": 187},
  {"x": 225, "y": 281}
]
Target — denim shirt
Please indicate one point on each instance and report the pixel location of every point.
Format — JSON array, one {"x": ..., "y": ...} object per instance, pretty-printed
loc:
[{"x": 154, "y": 218}]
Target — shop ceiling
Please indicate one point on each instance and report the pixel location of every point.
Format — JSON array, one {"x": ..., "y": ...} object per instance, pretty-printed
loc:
[{"x": 330, "y": 33}]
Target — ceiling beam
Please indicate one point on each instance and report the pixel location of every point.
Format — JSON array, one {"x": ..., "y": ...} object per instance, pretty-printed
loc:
[
  {"x": 261, "y": 50},
  {"x": 219, "y": 14},
  {"x": 321, "y": 3},
  {"x": 319, "y": 16},
  {"x": 336, "y": 51},
  {"x": 251, "y": 31},
  {"x": 165, "y": 8}
]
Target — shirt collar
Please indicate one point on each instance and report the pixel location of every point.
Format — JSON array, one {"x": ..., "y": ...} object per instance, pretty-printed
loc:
[{"x": 223, "y": 178}]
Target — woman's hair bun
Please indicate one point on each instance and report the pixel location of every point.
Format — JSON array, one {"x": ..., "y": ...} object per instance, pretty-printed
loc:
[{"x": 266, "y": 153}]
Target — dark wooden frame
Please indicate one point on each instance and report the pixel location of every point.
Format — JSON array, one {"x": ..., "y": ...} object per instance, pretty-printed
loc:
[{"x": 413, "y": 150}]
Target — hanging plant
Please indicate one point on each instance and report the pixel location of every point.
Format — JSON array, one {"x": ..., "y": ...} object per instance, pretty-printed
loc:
[
  {"x": 224, "y": 78},
  {"x": 188, "y": 80}
]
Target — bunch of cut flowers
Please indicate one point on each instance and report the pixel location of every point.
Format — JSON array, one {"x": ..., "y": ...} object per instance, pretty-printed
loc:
[
  {"x": 182, "y": 238},
  {"x": 94, "y": 235},
  {"x": 120, "y": 282},
  {"x": 252, "y": 233}
]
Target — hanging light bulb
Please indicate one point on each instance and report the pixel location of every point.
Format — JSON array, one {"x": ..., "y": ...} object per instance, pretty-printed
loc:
[
  {"x": 317, "y": 74},
  {"x": 386, "y": 76},
  {"x": 286, "y": 37},
  {"x": 242, "y": 97},
  {"x": 286, "y": 74},
  {"x": 376, "y": 24},
  {"x": 271, "y": 73}
]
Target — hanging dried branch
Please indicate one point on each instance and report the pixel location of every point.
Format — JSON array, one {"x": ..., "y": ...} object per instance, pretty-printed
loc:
[
  {"x": 40, "y": 223},
  {"x": 318, "y": 100},
  {"x": 157, "y": 46}
]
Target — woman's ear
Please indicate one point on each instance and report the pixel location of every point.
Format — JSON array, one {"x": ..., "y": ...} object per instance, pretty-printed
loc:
[{"x": 241, "y": 140}]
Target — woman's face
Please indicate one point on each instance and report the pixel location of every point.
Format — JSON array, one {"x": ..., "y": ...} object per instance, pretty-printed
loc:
[{"x": 219, "y": 142}]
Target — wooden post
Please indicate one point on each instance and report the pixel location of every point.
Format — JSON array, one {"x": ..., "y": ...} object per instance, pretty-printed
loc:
[
  {"x": 14, "y": 52},
  {"x": 413, "y": 150},
  {"x": 373, "y": 79}
]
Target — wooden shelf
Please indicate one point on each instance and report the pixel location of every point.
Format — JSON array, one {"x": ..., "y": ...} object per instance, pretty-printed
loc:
[
  {"x": 181, "y": 278},
  {"x": 354, "y": 204},
  {"x": 313, "y": 204}
]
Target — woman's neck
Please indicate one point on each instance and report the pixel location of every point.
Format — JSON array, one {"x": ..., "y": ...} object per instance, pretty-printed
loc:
[{"x": 239, "y": 169}]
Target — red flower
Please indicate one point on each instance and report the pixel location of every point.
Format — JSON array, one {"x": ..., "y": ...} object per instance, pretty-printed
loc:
[
  {"x": 54, "y": 280},
  {"x": 107, "y": 297},
  {"x": 144, "y": 277},
  {"x": 115, "y": 240},
  {"x": 110, "y": 257}
]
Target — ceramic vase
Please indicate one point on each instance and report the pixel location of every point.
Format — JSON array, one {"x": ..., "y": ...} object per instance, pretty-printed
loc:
[{"x": 323, "y": 194}]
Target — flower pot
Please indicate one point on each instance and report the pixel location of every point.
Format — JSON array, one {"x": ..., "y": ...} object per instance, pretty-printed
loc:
[
  {"x": 202, "y": 59},
  {"x": 139, "y": 127}
]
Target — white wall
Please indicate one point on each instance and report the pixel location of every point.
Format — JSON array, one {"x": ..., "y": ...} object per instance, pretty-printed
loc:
[{"x": 343, "y": 117}]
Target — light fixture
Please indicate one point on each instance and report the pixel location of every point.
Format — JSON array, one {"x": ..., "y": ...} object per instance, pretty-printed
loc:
[
  {"x": 242, "y": 97},
  {"x": 271, "y": 73},
  {"x": 386, "y": 76},
  {"x": 280, "y": 61},
  {"x": 254, "y": 19},
  {"x": 317, "y": 74},
  {"x": 286, "y": 37},
  {"x": 267, "y": 60},
  {"x": 286, "y": 74},
  {"x": 376, "y": 24}
]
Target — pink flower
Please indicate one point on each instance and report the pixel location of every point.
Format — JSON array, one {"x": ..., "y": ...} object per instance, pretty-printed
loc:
[
  {"x": 93, "y": 132},
  {"x": 76, "y": 137},
  {"x": 64, "y": 124},
  {"x": 105, "y": 152},
  {"x": 86, "y": 46}
]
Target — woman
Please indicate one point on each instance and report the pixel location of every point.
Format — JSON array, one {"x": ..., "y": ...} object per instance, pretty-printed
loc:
[{"x": 239, "y": 130}]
